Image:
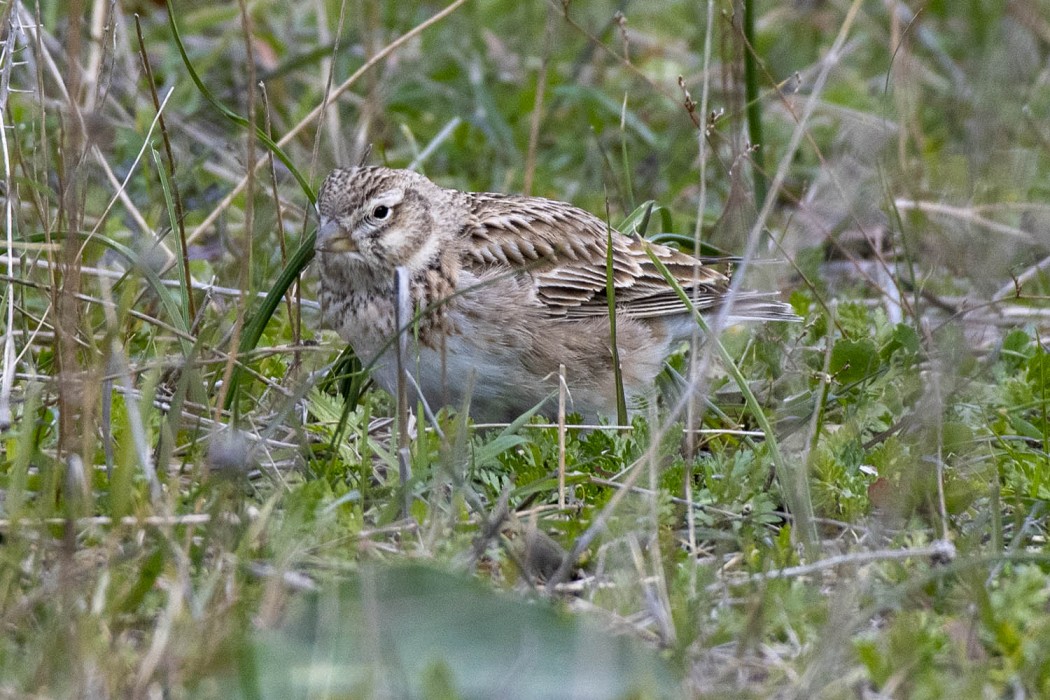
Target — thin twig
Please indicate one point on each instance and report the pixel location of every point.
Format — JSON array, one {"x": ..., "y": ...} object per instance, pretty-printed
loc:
[
  {"x": 101, "y": 520},
  {"x": 402, "y": 312},
  {"x": 562, "y": 390},
  {"x": 116, "y": 274},
  {"x": 95, "y": 50},
  {"x": 435, "y": 142},
  {"x": 968, "y": 215},
  {"x": 942, "y": 549},
  {"x": 660, "y": 604},
  {"x": 536, "y": 118},
  {"x": 330, "y": 120},
  {"x": 1013, "y": 287},
  {"x": 9, "y": 364}
]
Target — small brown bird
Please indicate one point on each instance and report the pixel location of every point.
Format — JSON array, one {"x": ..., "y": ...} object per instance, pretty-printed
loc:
[{"x": 504, "y": 289}]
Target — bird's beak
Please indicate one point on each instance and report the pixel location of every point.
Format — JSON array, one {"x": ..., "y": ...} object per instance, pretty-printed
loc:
[{"x": 331, "y": 238}]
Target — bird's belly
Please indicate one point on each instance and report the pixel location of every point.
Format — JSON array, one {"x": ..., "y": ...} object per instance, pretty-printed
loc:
[
  {"x": 501, "y": 368},
  {"x": 491, "y": 378}
]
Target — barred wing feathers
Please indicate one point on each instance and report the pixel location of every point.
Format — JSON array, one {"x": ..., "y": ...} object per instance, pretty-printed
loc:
[{"x": 564, "y": 250}]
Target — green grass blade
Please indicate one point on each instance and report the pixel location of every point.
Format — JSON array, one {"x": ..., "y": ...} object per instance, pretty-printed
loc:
[
  {"x": 169, "y": 202},
  {"x": 253, "y": 330},
  {"x": 637, "y": 222},
  {"x": 754, "y": 104}
]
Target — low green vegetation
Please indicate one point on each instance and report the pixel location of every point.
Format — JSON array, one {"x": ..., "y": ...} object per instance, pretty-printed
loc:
[{"x": 202, "y": 495}]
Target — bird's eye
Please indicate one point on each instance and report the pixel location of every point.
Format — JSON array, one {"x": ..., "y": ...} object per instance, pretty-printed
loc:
[{"x": 381, "y": 212}]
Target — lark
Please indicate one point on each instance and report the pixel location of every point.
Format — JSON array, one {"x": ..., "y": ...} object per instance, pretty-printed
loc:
[{"x": 502, "y": 290}]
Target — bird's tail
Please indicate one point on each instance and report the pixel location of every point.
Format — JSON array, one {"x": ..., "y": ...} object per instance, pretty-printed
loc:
[
  {"x": 746, "y": 307},
  {"x": 756, "y": 306}
]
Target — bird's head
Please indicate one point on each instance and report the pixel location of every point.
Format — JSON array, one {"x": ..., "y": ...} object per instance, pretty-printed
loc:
[{"x": 383, "y": 218}]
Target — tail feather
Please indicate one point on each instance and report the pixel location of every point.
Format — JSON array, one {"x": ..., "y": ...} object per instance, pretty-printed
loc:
[
  {"x": 746, "y": 307},
  {"x": 759, "y": 306}
]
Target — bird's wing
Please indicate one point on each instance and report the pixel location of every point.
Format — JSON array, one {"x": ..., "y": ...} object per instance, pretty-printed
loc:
[{"x": 564, "y": 250}]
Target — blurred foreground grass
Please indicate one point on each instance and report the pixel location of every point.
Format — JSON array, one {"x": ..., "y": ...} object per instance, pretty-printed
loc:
[{"x": 168, "y": 534}]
